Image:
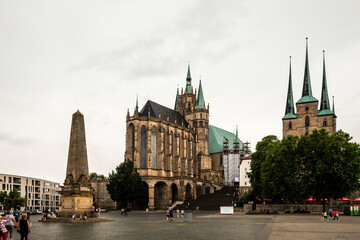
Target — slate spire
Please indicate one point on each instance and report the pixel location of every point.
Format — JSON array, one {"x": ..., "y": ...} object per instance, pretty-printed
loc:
[
  {"x": 200, "y": 102},
  {"x": 289, "y": 109},
  {"x": 307, "y": 92},
  {"x": 176, "y": 100},
  {"x": 324, "y": 104},
  {"x": 188, "y": 89}
]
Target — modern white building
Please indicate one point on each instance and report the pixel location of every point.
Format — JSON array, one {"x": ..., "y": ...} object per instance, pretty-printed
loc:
[
  {"x": 40, "y": 194},
  {"x": 244, "y": 170}
]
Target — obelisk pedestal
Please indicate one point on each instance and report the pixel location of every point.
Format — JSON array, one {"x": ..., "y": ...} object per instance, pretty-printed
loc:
[{"x": 76, "y": 194}]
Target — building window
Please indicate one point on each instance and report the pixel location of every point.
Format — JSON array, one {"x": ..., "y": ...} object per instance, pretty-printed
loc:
[
  {"x": 153, "y": 148},
  {"x": 307, "y": 121},
  {"x": 245, "y": 183},
  {"x": 290, "y": 125},
  {"x": 307, "y": 108},
  {"x": 143, "y": 147},
  {"x": 245, "y": 169},
  {"x": 324, "y": 123}
]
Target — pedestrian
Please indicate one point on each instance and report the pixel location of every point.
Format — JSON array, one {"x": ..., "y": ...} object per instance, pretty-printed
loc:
[
  {"x": 330, "y": 213},
  {"x": 24, "y": 227},
  {"x": 3, "y": 230},
  {"x": 177, "y": 213},
  {"x": 122, "y": 211},
  {"x": 167, "y": 214},
  {"x": 171, "y": 215},
  {"x": 16, "y": 215},
  {"x": 182, "y": 213},
  {"x": 125, "y": 211},
  {"x": 92, "y": 210},
  {"x": 336, "y": 215},
  {"x": 85, "y": 216},
  {"x": 98, "y": 212},
  {"x": 10, "y": 224},
  {"x": 325, "y": 215}
]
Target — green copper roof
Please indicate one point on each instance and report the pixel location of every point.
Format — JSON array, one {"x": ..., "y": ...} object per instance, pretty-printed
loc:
[
  {"x": 200, "y": 102},
  {"x": 325, "y": 112},
  {"x": 307, "y": 93},
  {"x": 217, "y": 136},
  {"x": 289, "y": 109},
  {"x": 324, "y": 104},
  {"x": 188, "y": 82},
  {"x": 176, "y": 100}
]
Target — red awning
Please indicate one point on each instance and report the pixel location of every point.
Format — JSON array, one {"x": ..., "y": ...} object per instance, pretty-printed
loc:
[
  {"x": 345, "y": 199},
  {"x": 310, "y": 199},
  {"x": 358, "y": 199}
]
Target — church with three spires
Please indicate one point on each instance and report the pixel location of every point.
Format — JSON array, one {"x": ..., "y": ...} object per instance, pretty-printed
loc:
[
  {"x": 308, "y": 115},
  {"x": 177, "y": 153}
]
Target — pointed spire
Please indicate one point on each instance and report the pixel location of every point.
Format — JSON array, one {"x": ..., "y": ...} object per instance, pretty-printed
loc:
[
  {"x": 176, "y": 100},
  {"x": 188, "y": 89},
  {"x": 307, "y": 92},
  {"x": 333, "y": 105},
  {"x": 325, "y": 103},
  {"x": 236, "y": 136},
  {"x": 137, "y": 103},
  {"x": 289, "y": 109},
  {"x": 200, "y": 102}
]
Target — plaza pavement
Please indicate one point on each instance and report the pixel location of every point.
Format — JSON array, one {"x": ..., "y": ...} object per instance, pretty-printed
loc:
[{"x": 206, "y": 225}]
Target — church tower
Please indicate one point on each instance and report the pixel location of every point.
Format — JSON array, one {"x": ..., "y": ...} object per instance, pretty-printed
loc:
[{"x": 307, "y": 116}]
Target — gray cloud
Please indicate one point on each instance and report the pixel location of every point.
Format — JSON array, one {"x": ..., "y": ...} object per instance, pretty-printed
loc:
[{"x": 8, "y": 138}]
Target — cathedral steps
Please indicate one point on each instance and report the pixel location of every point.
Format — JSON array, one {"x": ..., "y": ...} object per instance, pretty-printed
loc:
[{"x": 223, "y": 197}]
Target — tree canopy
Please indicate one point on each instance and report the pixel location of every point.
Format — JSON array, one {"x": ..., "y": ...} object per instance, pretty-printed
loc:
[
  {"x": 125, "y": 184},
  {"x": 95, "y": 176},
  {"x": 317, "y": 165},
  {"x": 12, "y": 199}
]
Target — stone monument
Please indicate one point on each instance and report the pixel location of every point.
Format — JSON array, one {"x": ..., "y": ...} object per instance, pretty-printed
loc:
[{"x": 76, "y": 194}]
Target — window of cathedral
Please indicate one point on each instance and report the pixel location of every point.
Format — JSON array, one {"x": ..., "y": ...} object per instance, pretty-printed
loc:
[
  {"x": 153, "y": 148},
  {"x": 290, "y": 125},
  {"x": 201, "y": 123},
  {"x": 307, "y": 108},
  {"x": 307, "y": 121},
  {"x": 306, "y": 131},
  {"x": 324, "y": 123},
  {"x": 200, "y": 115},
  {"x": 143, "y": 147}
]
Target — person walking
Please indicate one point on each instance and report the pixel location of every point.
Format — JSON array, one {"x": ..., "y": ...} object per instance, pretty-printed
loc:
[
  {"x": 24, "y": 227},
  {"x": 325, "y": 215},
  {"x": 336, "y": 215},
  {"x": 10, "y": 224},
  {"x": 171, "y": 215},
  {"x": 3, "y": 230},
  {"x": 167, "y": 214},
  {"x": 16, "y": 215}
]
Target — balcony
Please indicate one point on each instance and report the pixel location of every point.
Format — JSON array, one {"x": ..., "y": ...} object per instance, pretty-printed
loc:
[{"x": 17, "y": 180}]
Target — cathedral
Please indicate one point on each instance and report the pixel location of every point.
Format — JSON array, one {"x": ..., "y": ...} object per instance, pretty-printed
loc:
[
  {"x": 178, "y": 155},
  {"x": 308, "y": 116}
]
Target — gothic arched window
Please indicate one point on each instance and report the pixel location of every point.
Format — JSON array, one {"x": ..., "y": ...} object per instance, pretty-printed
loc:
[
  {"x": 143, "y": 147},
  {"x": 290, "y": 125},
  {"x": 307, "y": 121},
  {"x": 153, "y": 147}
]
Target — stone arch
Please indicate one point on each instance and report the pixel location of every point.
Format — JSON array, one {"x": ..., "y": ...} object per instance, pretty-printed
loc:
[
  {"x": 143, "y": 149},
  {"x": 174, "y": 193},
  {"x": 188, "y": 194},
  {"x": 160, "y": 195},
  {"x": 207, "y": 190},
  {"x": 143, "y": 203},
  {"x": 198, "y": 190},
  {"x": 153, "y": 148}
]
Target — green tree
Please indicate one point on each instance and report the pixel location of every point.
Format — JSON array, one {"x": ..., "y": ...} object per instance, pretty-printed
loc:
[
  {"x": 14, "y": 200},
  {"x": 125, "y": 185},
  {"x": 281, "y": 172},
  {"x": 331, "y": 164},
  {"x": 95, "y": 176},
  {"x": 2, "y": 197},
  {"x": 256, "y": 162}
]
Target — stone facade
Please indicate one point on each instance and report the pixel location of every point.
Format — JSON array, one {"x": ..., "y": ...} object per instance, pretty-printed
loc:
[
  {"x": 170, "y": 148},
  {"x": 307, "y": 120},
  {"x": 102, "y": 197}
]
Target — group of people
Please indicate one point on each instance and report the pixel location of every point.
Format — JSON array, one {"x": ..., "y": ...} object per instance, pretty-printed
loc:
[
  {"x": 48, "y": 215},
  {"x": 12, "y": 220},
  {"x": 328, "y": 215},
  {"x": 124, "y": 211},
  {"x": 170, "y": 214}
]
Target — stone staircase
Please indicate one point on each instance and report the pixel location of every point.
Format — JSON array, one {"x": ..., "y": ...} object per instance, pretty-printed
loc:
[{"x": 223, "y": 197}]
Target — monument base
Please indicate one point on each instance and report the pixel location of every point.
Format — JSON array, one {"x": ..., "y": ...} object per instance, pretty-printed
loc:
[{"x": 75, "y": 202}]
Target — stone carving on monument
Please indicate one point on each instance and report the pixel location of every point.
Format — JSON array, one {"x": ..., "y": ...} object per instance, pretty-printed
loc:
[{"x": 76, "y": 194}]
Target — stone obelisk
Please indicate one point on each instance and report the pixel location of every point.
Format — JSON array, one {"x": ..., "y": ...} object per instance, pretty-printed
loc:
[{"x": 76, "y": 194}]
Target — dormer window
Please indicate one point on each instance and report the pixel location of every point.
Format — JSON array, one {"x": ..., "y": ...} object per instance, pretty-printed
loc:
[
  {"x": 290, "y": 125},
  {"x": 324, "y": 123}
]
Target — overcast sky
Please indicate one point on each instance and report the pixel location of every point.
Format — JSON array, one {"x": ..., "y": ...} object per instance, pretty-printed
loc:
[{"x": 95, "y": 56}]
